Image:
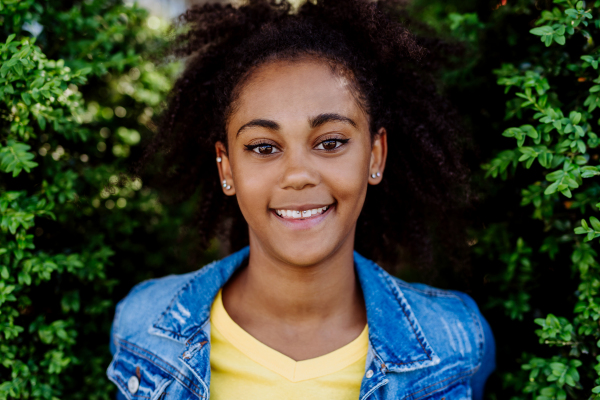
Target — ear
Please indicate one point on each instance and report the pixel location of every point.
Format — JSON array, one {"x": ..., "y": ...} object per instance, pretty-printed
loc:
[
  {"x": 378, "y": 157},
  {"x": 225, "y": 175}
]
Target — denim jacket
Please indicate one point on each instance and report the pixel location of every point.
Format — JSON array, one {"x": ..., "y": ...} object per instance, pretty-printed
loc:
[{"x": 424, "y": 343}]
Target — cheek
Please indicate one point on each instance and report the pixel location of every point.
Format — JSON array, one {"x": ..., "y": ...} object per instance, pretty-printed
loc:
[
  {"x": 252, "y": 187},
  {"x": 348, "y": 180}
]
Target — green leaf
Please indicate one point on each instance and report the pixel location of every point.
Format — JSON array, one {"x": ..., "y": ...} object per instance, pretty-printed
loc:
[
  {"x": 595, "y": 223},
  {"x": 551, "y": 189},
  {"x": 18, "y": 69},
  {"x": 41, "y": 121},
  {"x": 16, "y": 157},
  {"x": 553, "y": 176},
  {"x": 26, "y": 98},
  {"x": 575, "y": 117},
  {"x": 542, "y": 30}
]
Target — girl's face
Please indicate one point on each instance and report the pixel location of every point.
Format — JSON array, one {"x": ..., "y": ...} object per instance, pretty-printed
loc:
[{"x": 299, "y": 160}]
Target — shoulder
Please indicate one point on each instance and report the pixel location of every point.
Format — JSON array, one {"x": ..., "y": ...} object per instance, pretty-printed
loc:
[
  {"x": 439, "y": 305},
  {"x": 450, "y": 316},
  {"x": 144, "y": 303},
  {"x": 455, "y": 327}
]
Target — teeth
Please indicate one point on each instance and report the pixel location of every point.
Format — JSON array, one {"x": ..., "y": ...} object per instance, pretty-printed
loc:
[{"x": 301, "y": 214}]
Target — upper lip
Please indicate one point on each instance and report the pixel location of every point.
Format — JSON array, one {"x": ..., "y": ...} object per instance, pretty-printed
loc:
[{"x": 303, "y": 207}]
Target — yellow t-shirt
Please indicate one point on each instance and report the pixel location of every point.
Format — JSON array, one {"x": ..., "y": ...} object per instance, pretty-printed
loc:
[{"x": 244, "y": 368}]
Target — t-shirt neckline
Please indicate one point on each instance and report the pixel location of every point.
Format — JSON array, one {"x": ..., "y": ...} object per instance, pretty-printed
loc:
[{"x": 294, "y": 371}]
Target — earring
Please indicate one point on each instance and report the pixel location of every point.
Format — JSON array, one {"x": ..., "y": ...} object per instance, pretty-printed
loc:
[
  {"x": 378, "y": 174},
  {"x": 219, "y": 159},
  {"x": 228, "y": 187},
  {"x": 224, "y": 183},
  {"x": 373, "y": 176}
]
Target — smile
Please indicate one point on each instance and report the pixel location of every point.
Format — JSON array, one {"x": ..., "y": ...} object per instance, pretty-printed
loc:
[{"x": 302, "y": 214}]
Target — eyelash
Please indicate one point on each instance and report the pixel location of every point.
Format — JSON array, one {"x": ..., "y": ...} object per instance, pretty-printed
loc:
[
  {"x": 337, "y": 140},
  {"x": 253, "y": 147}
]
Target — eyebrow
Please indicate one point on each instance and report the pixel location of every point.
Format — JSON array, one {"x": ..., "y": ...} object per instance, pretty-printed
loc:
[
  {"x": 314, "y": 122},
  {"x": 263, "y": 123},
  {"x": 322, "y": 119}
]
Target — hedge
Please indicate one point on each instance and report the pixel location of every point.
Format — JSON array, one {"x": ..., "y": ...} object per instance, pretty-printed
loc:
[{"x": 81, "y": 84}]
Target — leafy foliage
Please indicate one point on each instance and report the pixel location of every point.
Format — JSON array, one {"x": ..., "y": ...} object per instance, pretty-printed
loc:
[
  {"x": 78, "y": 90},
  {"x": 537, "y": 249}
]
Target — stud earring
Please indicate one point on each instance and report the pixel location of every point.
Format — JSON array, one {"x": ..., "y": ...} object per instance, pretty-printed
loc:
[
  {"x": 219, "y": 159},
  {"x": 224, "y": 183},
  {"x": 373, "y": 176},
  {"x": 228, "y": 187},
  {"x": 378, "y": 174}
]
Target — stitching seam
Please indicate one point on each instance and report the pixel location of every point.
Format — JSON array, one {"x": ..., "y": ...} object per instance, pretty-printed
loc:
[
  {"x": 132, "y": 395},
  {"x": 413, "y": 328},
  {"x": 459, "y": 376},
  {"x": 476, "y": 320},
  {"x": 429, "y": 292},
  {"x": 408, "y": 362},
  {"x": 201, "y": 272},
  {"x": 193, "y": 336},
  {"x": 177, "y": 375}
]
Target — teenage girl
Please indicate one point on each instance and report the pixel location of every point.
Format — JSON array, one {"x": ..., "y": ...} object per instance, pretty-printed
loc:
[{"x": 309, "y": 133}]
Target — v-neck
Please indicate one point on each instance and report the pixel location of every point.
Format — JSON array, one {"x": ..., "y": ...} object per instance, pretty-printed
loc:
[{"x": 279, "y": 363}]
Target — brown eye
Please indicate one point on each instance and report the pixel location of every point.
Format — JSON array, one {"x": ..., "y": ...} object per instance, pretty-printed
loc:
[
  {"x": 265, "y": 149},
  {"x": 329, "y": 144}
]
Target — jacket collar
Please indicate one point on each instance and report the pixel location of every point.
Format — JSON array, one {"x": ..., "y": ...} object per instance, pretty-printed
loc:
[{"x": 394, "y": 332}]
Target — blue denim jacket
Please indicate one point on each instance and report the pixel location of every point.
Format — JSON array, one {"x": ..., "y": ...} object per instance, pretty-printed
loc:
[{"x": 424, "y": 343}]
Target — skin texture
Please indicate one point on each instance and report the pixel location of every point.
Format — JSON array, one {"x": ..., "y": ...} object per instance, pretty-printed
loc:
[{"x": 299, "y": 294}]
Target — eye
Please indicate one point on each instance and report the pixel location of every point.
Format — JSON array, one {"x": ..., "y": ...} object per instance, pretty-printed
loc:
[
  {"x": 263, "y": 148},
  {"x": 331, "y": 144}
]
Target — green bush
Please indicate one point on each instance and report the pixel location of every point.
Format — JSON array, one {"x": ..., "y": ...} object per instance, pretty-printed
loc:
[
  {"x": 78, "y": 90},
  {"x": 534, "y": 237}
]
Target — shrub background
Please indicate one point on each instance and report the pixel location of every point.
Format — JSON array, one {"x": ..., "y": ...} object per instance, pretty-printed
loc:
[
  {"x": 80, "y": 84},
  {"x": 78, "y": 91}
]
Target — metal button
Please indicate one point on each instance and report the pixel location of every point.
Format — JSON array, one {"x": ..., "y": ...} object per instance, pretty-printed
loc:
[
  {"x": 133, "y": 384},
  {"x": 369, "y": 374}
]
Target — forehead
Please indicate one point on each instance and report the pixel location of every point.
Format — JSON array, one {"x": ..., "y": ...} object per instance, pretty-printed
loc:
[{"x": 283, "y": 90}]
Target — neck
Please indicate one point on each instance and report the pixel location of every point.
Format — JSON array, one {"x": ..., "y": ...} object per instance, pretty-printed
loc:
[{"x": 297, "y": 295}]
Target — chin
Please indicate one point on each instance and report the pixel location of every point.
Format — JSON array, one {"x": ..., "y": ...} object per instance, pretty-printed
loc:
[{"x": 303, "y": 255}]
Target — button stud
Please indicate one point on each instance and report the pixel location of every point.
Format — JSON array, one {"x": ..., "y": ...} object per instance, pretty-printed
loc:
[
  {"x": 133, "y": 384},
  {"x": 369, "y": 374}
]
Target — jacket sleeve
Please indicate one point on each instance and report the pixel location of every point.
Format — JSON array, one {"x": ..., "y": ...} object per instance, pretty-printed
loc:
[{"x": 488, "y": 358}]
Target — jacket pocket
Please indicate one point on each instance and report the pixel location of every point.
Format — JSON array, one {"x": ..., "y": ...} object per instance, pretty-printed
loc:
[{"x": 138, "y": 377}]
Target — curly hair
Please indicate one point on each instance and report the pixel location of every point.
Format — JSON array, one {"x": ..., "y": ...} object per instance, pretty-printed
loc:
[{"x": 416, "y": 209}]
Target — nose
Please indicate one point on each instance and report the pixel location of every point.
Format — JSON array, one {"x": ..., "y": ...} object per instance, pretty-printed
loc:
[{"x": 298, "y": 171}]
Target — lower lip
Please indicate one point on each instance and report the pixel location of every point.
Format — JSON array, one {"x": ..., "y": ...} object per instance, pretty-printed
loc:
[{"x": 304, "y": 224}]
